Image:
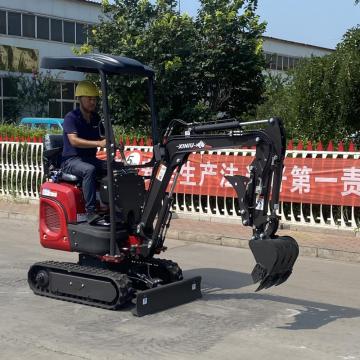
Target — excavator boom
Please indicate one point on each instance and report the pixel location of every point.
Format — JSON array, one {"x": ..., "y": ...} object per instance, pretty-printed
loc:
[{"x": 258, "y": 194}]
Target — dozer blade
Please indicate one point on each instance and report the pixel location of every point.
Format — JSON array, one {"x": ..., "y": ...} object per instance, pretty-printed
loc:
[
  {"x": 166, "y": 296},
  {"x": 275, "y": 260}
]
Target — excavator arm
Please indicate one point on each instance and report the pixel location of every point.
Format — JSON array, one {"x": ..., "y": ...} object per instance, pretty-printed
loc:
[{"x": 258, "y": 194}]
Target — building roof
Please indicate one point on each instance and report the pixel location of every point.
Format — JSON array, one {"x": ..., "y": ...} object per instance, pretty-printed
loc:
[
  {"x": 90, "y": 2},
  {"x": 298, "y": 43}
]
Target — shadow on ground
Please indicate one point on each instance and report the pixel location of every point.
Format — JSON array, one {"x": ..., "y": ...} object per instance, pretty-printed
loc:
[{"x": 309, "y": 314}]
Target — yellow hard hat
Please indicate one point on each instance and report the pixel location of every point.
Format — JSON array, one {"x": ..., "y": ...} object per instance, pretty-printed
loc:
[{"x": 86, "y": 88}]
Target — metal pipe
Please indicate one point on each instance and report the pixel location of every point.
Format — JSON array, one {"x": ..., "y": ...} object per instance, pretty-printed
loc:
[
  {"x": 174, "y": 183},
  {"x": 216, "y": 126},
  {"x": 255, "y": 122},
  {"x": 154, "y": 124},
  {"x": 225, "y": 125},
  {"x": 109, "y": 157}
]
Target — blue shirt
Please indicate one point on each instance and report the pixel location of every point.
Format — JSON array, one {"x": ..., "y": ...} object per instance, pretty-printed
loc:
[{"x": 74, "y": 123}]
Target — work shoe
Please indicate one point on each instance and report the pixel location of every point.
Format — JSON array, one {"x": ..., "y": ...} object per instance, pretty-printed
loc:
[{"x": 92, "y": 218}]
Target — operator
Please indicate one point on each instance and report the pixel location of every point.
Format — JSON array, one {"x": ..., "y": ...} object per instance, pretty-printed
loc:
[{"x": 81, "y": 140}]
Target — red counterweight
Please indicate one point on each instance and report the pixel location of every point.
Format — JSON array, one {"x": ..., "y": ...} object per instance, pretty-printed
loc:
[{"x": 60, "y": 204}]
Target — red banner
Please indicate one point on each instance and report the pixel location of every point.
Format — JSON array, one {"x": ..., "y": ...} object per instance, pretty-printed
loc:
[{"x": 306, "y": 180}]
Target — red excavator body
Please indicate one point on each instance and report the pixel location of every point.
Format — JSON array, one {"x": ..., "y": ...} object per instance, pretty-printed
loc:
[
  {"x": 117, "y": 261},
  {"x": 60, "y": 204}
]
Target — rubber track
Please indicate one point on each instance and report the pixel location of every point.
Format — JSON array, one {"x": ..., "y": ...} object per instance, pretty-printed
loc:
[{"x": 120, "y": 281}]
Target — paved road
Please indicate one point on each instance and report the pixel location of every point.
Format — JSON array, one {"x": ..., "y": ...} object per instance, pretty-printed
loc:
[{"x": 315, "y": 315}]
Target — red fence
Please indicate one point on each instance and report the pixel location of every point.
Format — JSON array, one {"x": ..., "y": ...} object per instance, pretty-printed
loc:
[
  {"x": 146, "y": 141},
  {"x": 305, "y": 180}
]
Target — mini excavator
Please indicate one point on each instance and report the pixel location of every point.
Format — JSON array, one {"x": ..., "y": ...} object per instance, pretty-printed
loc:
[{"x": 118, "y": 261}]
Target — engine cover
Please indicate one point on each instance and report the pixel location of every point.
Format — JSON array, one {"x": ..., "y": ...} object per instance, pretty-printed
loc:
[{"x": 60, "y": 204}]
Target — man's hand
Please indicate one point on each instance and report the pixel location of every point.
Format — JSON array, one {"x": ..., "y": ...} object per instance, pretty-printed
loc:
[
  {"x": 85, "y": 144},
  {"x": 102, "y": 143}
]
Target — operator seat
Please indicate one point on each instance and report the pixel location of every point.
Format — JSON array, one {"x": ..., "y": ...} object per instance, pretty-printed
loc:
[{"x": 53, "y": 146}]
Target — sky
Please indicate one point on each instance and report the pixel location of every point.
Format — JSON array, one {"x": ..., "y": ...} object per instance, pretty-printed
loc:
[{"x": 316, "y": 22}]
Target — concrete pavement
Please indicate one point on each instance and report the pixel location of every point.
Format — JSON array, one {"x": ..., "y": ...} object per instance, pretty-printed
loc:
[{"x": 314, "y": 315}]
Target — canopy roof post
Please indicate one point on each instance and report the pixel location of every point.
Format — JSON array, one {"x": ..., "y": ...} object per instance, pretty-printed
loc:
[
  {"x": 154, "y": 122},
  {"x": 109, "y": 159}
]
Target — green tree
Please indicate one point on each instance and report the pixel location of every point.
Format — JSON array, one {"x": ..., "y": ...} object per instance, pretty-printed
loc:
[
  {"x": 277, "y": 101},
  {"x": 321, "y": 95},
  {"x": 229, "y": 58},
  {"x": 204, "y": 65},
  {"x": 347, "y": 61},
  {"x": 34, "y": 93}
]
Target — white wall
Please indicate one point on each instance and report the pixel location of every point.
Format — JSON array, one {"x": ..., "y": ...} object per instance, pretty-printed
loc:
[
  {"x": 64, "y": 9},
  {"x": 71, "y": 9},
  {"x": 283, "y": 47}
]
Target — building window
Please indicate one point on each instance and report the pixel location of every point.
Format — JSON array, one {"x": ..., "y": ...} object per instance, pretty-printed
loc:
[
  {"x": 280, "y": 62},
  {"x": 267, "y": 60},
  {"x": 64, "y": 101},
  {"x": 11, "y": 112},
  {"x": 57, "y": 91},
  {"x": 291, "y": 62},
  {"x": 56, "y": 30},
  {"x": 28, "y": 25},
  {"x": 68, "y": 92},
  {"x": 69, "y": 32},
  {"x": 270, "y": 60},
  {"x": 2, "y": 22},
  {"x": 55, "y": 109},
  {"x": 285, "y": 65},
  {"x": 9, "y": 109},
  {"x": 14, "y": 23},
  {"x": 9, "y": 87},
  {"x": 273, "y": 62},
  {"x": 42, "y": 28},
  {"x": 67, "y": 107},
  {"x": 80, "y": 33}
]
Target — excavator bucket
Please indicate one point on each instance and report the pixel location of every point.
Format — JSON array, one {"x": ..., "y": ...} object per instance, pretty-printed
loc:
[{"x": 275, "y": 259}]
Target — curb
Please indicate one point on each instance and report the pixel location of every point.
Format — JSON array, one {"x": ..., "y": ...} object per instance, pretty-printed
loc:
[
  {"x": 17, "y": 216},
  {"x": 308, "y": 251},
  {"x": 221, "y": 240},
  {"x": 285, "y": 226}
]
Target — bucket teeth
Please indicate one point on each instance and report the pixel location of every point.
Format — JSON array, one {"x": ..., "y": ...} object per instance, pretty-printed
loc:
[
  {"x": 258, "y": 273},
  {"x": 275, "y": 259},
  {"x": 283, "y": 278}
]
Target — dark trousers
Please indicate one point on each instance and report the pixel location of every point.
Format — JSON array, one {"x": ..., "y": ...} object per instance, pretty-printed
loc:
[{"x": 86, "y": 168}]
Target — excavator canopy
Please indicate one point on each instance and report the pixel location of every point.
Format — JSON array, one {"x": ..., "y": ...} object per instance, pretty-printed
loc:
[{"x": 94, "y": 63}]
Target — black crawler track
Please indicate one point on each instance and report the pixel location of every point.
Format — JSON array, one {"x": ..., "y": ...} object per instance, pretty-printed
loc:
[
  {"x": 77, "y": 283},
  {"x": 151, "y": 285}
]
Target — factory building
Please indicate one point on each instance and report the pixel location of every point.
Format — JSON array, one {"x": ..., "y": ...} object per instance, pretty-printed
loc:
[{"x": 30, "y": 30}]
